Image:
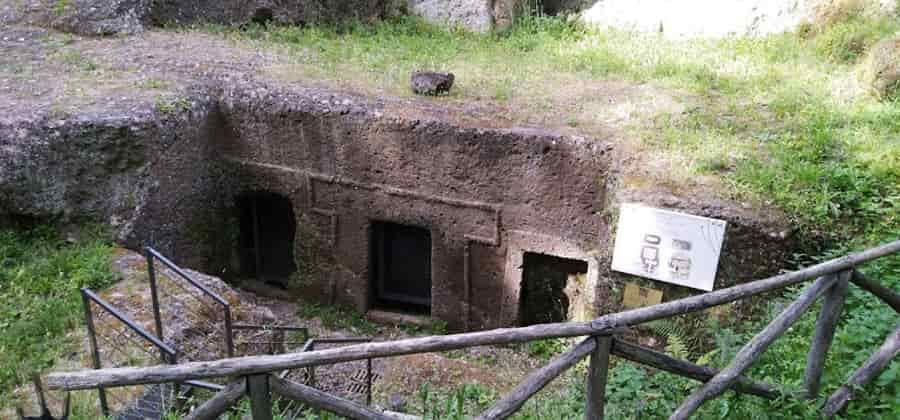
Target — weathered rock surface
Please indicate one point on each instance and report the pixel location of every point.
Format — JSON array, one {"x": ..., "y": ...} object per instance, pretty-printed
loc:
[
  {"x": 474, "y": 15},
  {"x": 882, "y": 69},
  {"x": 84, "y": 17},
  {"x": 292, "y": 12},
  {"x": 109, "y": 17},
  {"x": 431, "y": 83},
  {"x": 719, "y": 18}
]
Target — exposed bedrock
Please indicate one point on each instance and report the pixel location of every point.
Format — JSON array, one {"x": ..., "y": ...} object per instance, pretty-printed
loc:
[
  {"x": 88, "y": 166},
  {"x": 341, "y": 185},
  {"x": 705, "y": 18},
  {"x": 291, "y": 12},
  {"x": 85, "y": 17},
  {"x": 108, "y": 17}
]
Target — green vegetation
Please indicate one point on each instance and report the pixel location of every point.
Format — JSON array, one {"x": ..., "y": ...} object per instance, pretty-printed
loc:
[
  {"x": 461, "y": 403},
  {"x": 171, "y": 105},
  {"x": 61, "y": 6},
  {"x": 74, "y": 58},
  {"x": 546, "y": 349},
  {"x": 152, "y": 83},
  {"x": 337, "y": 318},
  {"x": 40, "y": 275}
]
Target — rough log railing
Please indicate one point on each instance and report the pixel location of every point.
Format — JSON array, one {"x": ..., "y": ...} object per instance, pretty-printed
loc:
[{"x": 256, "y": 381}]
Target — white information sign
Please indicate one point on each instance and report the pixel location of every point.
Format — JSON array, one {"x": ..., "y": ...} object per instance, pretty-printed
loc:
[{"x": 668, "y": 246}]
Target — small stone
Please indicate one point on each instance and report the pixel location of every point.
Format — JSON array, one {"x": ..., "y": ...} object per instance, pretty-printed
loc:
[
  {"x": 431, "y": 83},
  {"x": 397, "y": 402}
]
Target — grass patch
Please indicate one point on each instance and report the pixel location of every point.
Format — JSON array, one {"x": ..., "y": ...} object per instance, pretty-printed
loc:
[
  {"x": 334, "y": 317},
  {"x": 40, "y": 275}
]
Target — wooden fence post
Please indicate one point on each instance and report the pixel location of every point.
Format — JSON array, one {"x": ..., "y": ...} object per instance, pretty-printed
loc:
[
  {"x": 260, "y": 396},
  {"x": 754, "y": 348},
  {"x": 824, "y": 334},
  {"x": 877, "y": 363},
  {"x": 597, "y": 372}
]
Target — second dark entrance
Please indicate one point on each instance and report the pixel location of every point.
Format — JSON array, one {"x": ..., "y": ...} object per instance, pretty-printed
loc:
[
  {"x": 401, "y": 267},
  {"x": 267, "y": 229},
  {"x": 543, "y": 296}
]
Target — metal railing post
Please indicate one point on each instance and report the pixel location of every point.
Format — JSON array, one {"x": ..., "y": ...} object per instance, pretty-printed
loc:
[
  {"x": 154, "y": 295},
  {"x": 311, "y": 371},
  {"x": 368, "y": 381},
  {"x": 260, "y": 396},
  {"x": 95, "y": 352}
]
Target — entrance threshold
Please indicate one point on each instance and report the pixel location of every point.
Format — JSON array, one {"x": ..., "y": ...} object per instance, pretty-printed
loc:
[{"x": 387, "y": 317}]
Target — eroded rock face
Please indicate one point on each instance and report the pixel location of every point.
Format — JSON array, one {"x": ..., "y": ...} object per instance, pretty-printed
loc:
[
  {"x": 110, "y": 17},
  {"x": 291, "y": 12},
  {"x": 83, "y": 17},
  {"x": 882, "y": 70},
  {"x": 488, "y": 196},
  {"x": 720, "y": 18},
  {"x": 474, "y": 15}
]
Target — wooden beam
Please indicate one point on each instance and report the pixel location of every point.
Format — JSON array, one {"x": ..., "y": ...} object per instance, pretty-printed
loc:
[
  {"x": 650, "y": 357},
  {"x": 886, "y": 294},
  {"x": 826, "y": 324},
  {"x": 219, "y": 403},
  {"x": 597, "y": 375},
  {"x": 870, "y": 370},
  {"x": 751, "y": 351},
  {"x": 606, "y": 324},
  {"x": 537, "y": 380},
  {"x": 324, "y": 401}
]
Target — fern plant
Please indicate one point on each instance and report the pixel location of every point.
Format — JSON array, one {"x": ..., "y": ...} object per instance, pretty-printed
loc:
[{"x": 683, "y": 337}]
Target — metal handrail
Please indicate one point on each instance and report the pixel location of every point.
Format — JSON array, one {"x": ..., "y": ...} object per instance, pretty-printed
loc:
[
  {"x": 146, "y": 335},
  {"x": 152, "y": 254},
  {"x": 186, "y": 276},
  {"x": 167, "y": 353}
]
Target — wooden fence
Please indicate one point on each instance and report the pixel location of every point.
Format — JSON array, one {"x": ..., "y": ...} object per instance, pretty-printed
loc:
[{"x": 831, "y": 280}]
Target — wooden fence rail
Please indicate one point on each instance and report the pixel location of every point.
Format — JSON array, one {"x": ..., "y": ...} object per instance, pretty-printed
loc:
[{"x": 831, "y": 277}]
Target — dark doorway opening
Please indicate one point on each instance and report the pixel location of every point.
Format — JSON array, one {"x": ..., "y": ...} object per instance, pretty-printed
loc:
[
  {"x": 267, "y": 229},
  {"x": 543, "y": 295},
  {"x": 401, "y": 267},
  {"x": 555, "y": 7}
]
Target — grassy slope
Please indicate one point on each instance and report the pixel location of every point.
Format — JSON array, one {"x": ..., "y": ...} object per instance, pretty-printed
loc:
[
  {"x": 40, "y": 274},
  {"x": 782, "y": 119}
]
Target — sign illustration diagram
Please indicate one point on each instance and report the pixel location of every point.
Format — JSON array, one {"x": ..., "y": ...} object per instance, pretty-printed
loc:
[{"x": 668, "y": 246}]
